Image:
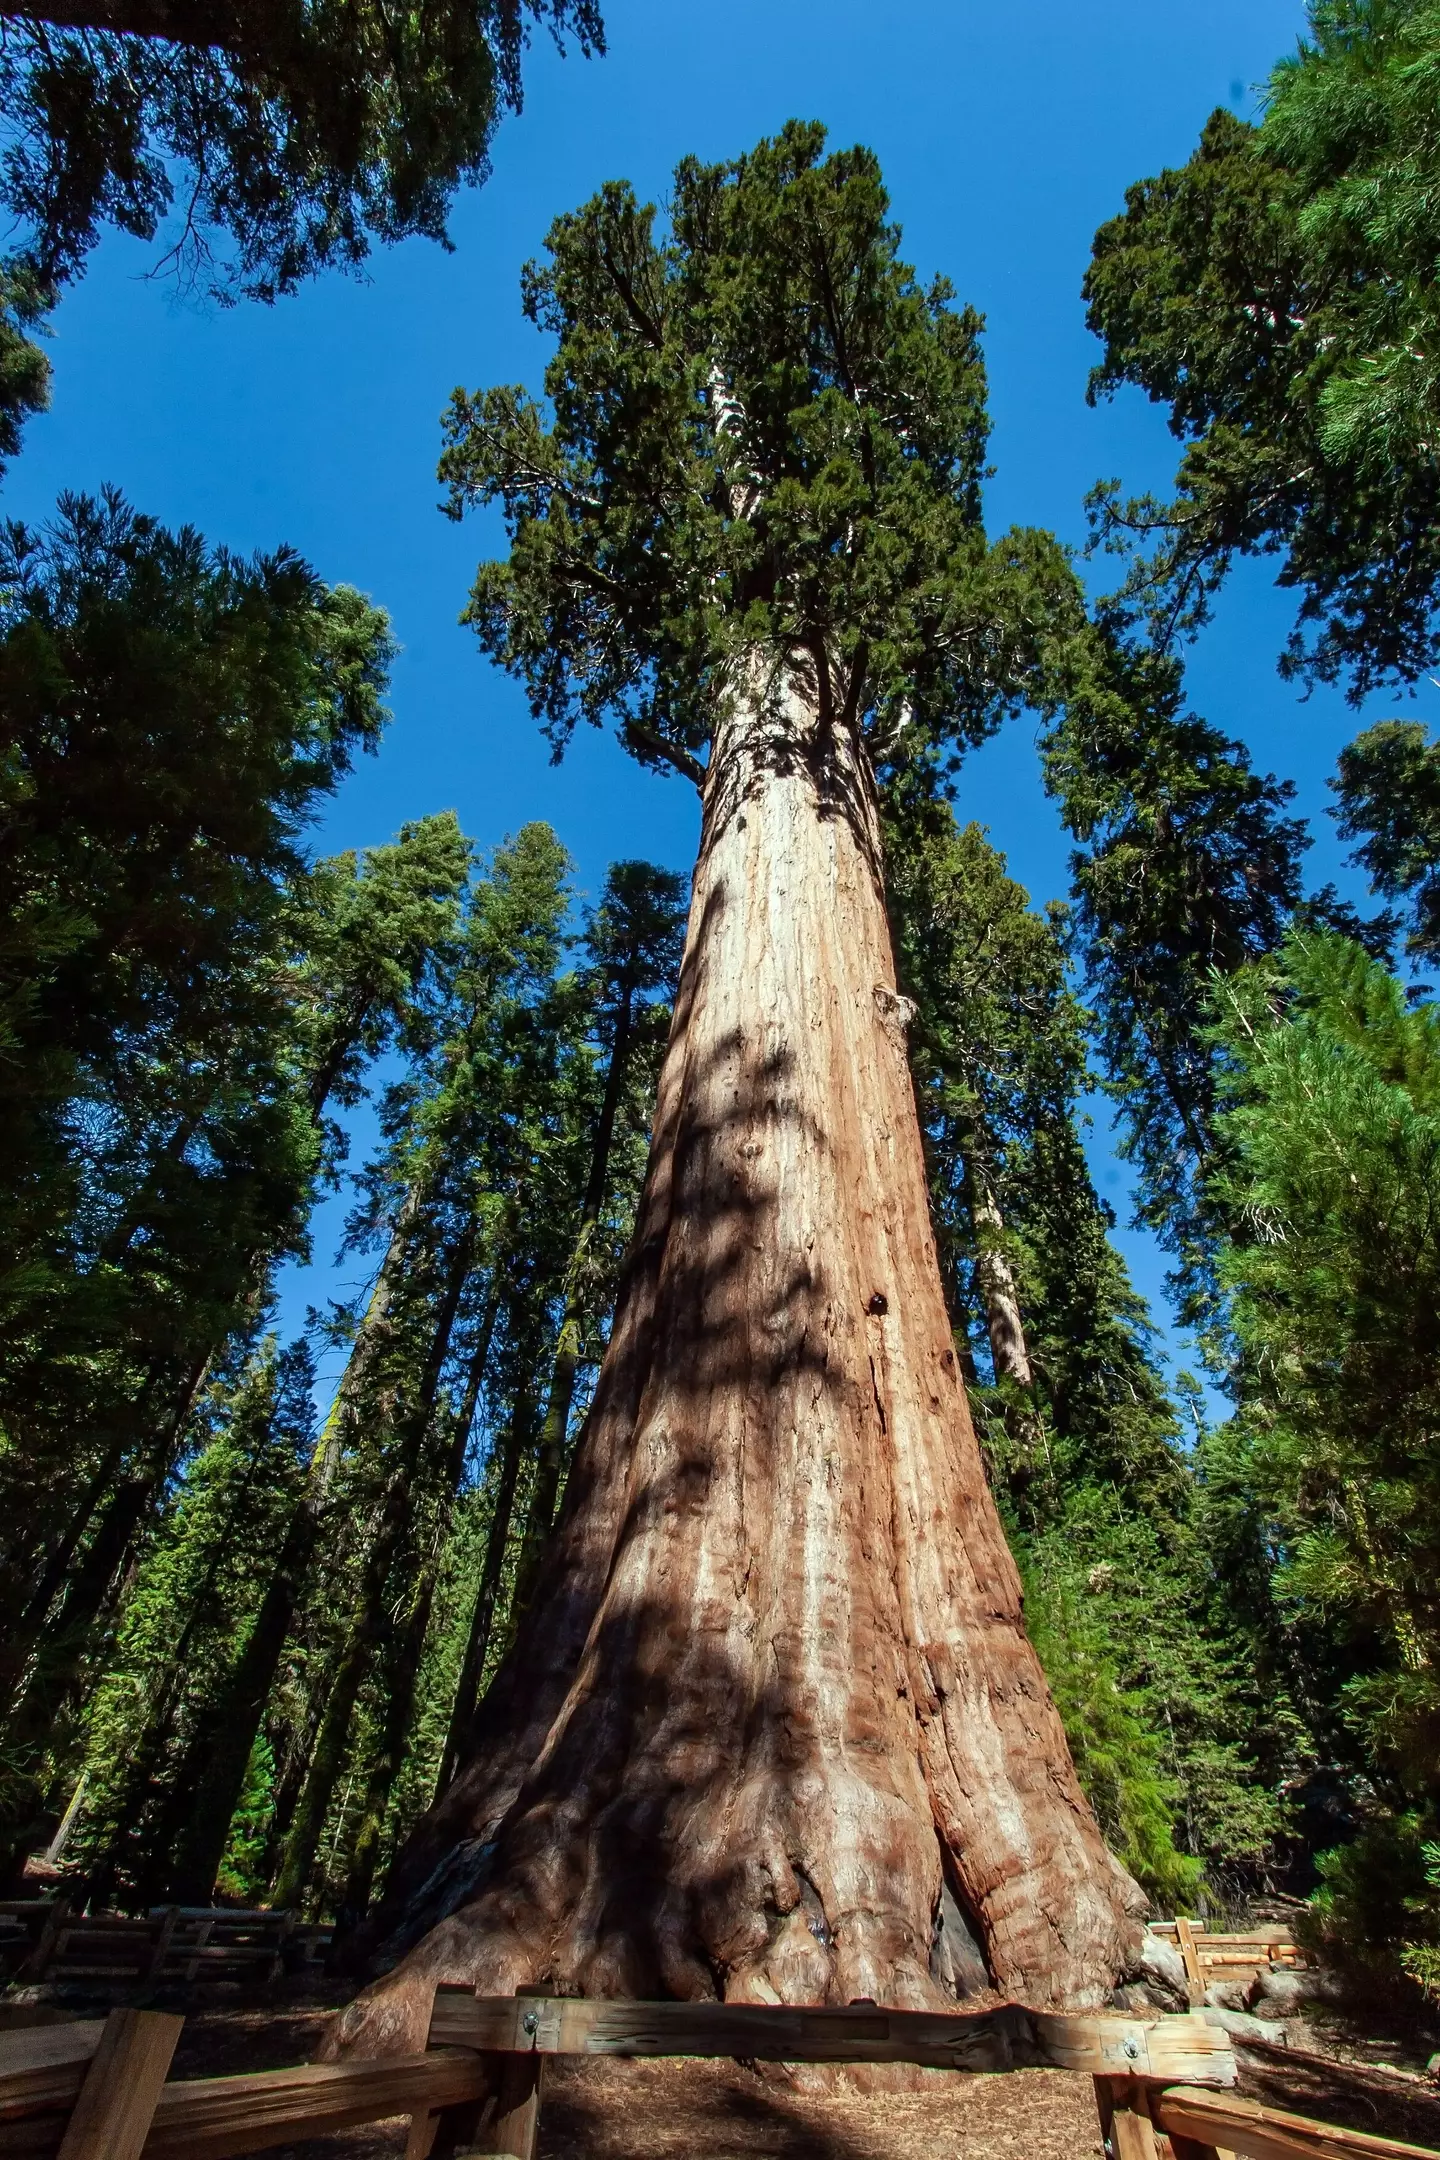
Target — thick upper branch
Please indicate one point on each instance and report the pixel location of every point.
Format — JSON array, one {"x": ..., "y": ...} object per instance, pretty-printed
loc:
[
  {"x": 640, "y": 737},
  {"x": 182, "y": 22}
]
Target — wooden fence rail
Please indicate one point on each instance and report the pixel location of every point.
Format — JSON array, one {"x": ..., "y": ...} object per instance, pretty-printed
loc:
[
  {"x": 1181, "y": 2049},
  {"x": 1198, "y": 2122},
  {"x": 99, "y": 2091},
  {"x": 1221, "y": 1956},
  {"x": 41, "y": 1940}
]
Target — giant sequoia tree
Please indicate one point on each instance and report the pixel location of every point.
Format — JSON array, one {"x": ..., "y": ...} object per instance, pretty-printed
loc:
[{"x": 771, "y": 1726}]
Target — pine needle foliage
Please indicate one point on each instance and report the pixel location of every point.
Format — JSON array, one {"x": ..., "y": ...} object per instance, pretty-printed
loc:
[
  {"x": 1189, "y": 865},
  {"x": 1333, "y": 1119},
  {"x": 760, "y": 431},
  {"x": 1277, "y": 294},
  {"x": 1388, "y": 784},
  {"x": 272, "y": 140}
]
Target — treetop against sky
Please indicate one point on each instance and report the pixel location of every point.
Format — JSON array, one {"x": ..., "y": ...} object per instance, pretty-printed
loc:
[{"x": 1005, "y": 140}]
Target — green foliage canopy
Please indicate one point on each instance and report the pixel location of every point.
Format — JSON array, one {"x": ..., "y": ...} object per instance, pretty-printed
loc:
[
  {"x": 1189, "y": 865},
  {"x": 290, "y": 132},
  {"x": 1106, "y": 1515},
  {"x": 1278, "y": 294},
  {"x": 24, "y": 369},
  {"x": 1333, "y": 1127},
  {"x": 1388, "y": 786},
  {"x": 173, "y": 718},
  {"x": 762, "y": 432}
]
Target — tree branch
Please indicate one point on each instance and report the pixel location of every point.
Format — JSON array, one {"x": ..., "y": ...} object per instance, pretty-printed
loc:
[
  {"x": 181, "y": 22},
  {"x": 636, "y": 735}
]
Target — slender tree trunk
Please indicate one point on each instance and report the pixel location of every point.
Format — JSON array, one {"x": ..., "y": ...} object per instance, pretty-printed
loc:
[
  {"x": 333, "y": 1738},
  {"x": 550, "y": 1457},
  {"x": 55, "y": 1570},
  {"x": 774, "y": 1697},
  {"x": 212, "y": 1775},
  {"x": 231, "y": 1730},
  {"x": 217, "y": 1759},
  {"x": 1009, "y": 1351},
  {"x": 482, "y": 1620},
  {"x": 341, "y": 1428},
  {"x": 62, "y": 1649},
  {"x": 478, "y": 1367},
  {"x": 408, "y": 1650},
  {"x": 297, "y": 1747},
  {"x": 58, "y": 1665},
  {"x": 996, "y": 1281},
  {"x": 62, "y": 1644},
  {"x": 56, "y": 1566},
  {"x": 327, "y": 1072},
  {"x": 396, "y": 1514},
  {"x": 401, "y": 1677},
  {"x": 149, "y": 1747}
]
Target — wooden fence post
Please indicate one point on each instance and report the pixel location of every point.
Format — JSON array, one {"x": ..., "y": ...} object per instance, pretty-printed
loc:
[
  {"x": 160, "y": 1949},
  {"x": 1194, "y": 1976},
  {"x": 111, "y": 2118},
  {"x": 38, "y": 1963},
  {"x": 517, "y": 2121},
  {"x": 1125, "y": 2123},
  {"x": 446, "y": 2131}
]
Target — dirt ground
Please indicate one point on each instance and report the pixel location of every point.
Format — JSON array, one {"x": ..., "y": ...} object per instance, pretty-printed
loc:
[{"x": 603, "y": 2110}]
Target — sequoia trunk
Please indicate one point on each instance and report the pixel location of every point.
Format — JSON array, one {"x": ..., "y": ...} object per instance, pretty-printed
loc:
[{"x": 772, "y": 1728}]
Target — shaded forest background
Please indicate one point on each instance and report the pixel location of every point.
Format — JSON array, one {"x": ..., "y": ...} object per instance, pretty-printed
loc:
[{"x": 245, "y": 1632}]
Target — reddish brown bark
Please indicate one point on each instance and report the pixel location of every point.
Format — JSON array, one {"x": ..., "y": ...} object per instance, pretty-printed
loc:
[{"x": 772, "y": 1724}]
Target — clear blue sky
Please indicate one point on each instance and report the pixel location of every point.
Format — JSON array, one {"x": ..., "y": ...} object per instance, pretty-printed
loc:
[{"x": 1006, "y": 135}]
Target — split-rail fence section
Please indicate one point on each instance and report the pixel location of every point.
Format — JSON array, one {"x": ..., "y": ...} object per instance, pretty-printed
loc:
[{"x": 102, "y": 2091}]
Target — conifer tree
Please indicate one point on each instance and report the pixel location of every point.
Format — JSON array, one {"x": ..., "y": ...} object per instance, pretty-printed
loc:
[
  {"x": 1277, "y": 294},
  {"x": 176, "y": 715},
  {"x": 1189, "y": 866},
  {"x": 1389, "y": 789},
  {"x": 292, "y": 133},
  {"x": 390, "y": 931},
  {"x": 476, "y": 1117},
  {"x": 747, "y": 532},
  {"x": 998, "y": 1052},
  {"x": 377, "y": 933},
  {"x": 1147, "y": 1667},
  {"x": 1333, "y": 1115},
  {"x": 196, "y": 1582}
]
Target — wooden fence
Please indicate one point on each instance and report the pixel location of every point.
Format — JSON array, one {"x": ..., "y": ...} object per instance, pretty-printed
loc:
[
  {"x": 103, "y": 2091},
  {"x": 1211, "y": 1958},
  {"x": 42, "y": 1940}
]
